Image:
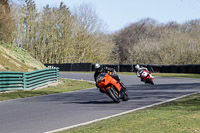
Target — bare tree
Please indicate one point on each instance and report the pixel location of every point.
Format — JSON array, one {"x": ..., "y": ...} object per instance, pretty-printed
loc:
[
  {"x": 6, "y": 21},
  {"x": 90, "y": 44},
  {"x": 132, "y": 34}
]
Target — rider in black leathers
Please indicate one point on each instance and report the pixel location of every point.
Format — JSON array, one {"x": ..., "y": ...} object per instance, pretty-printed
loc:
[{"x": 99, "y": 68}]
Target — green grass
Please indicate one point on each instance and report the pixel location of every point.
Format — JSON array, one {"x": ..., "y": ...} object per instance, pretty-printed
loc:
[
  {"x": 180, "y": 116},
  {"x": 66, "y": 85},
  {"x": 182, "y": 75}
]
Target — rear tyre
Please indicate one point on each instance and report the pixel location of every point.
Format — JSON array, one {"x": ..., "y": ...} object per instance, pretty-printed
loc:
[
  {"x": 114, "y": 95},
  {"x": 125, "y": 96}
]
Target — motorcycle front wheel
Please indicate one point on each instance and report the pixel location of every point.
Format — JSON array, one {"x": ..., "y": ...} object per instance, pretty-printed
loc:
[
  {"x": 150, "y": 81},
  {"x": 114, "y": 95}
]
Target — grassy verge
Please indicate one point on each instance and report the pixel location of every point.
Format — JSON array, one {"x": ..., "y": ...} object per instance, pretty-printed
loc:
[
  {"x": 66, "y": 85},
  {"x": 13, "y": 58},
  {"x": 182, "y": 75},
  {"x": 180, "y": 116}
]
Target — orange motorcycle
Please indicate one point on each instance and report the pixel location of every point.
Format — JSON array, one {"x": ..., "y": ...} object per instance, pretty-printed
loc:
[{"x": 112, "y": 87}]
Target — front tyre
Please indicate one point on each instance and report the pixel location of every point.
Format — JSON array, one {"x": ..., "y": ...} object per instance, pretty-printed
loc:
[
  {"x": 114, "y": 95},
  {"x": 150, "y": 81}
]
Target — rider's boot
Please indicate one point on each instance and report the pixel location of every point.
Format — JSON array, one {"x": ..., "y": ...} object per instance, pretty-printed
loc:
[
  {"x": 123, "y": 90},
  {"x": 123, "y": 86}
]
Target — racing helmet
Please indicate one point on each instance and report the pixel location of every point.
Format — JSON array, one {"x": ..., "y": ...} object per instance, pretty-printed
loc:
[
  {"x": 98, "y": 67},
  {"x": 137, "y": 67}
]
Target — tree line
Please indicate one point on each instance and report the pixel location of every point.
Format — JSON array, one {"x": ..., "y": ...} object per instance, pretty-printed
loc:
[
  {"x": 61, "y": 35},
  {"x": 6, "y": 21},
  {"x": 56, "y": 35},
  {"x": 149, "y": 42}
]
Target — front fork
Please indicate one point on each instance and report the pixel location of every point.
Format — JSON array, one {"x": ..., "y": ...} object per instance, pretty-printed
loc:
[{"x": 115, "y": 91}]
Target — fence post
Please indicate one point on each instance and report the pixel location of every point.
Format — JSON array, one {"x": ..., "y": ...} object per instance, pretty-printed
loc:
[
  {"x": 57, "y": 74},
  {"x": 24, "y": 80}
]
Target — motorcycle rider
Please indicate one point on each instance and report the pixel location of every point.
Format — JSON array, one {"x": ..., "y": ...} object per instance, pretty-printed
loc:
[
  {"x": 140, "y": 70},
  {"x": 99, "y": 68}
]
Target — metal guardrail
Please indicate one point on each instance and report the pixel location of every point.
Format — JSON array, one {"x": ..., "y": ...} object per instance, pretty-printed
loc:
[{"x": 27, "y": 80}]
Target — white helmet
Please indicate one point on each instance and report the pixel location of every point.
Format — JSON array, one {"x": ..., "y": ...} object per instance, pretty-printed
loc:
[
  {"x": 98, "y": 67},
  {"x": 137, "y": 67}
]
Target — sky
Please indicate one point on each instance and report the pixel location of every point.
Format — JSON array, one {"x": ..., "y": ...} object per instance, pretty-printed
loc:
[{"x": 117, "y": 14}]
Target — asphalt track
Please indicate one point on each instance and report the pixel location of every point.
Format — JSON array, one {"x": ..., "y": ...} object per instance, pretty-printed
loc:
[{"x": 60, "y": 111}]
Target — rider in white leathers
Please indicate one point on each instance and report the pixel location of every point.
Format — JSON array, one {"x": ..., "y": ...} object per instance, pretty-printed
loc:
[{"x": 139, "y": 70}]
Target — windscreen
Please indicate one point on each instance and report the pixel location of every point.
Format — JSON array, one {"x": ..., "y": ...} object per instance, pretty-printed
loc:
[{"x": 101, "y": 76}]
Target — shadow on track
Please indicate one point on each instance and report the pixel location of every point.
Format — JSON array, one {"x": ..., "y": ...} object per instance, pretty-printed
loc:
[{"x": 94, "y": 102}]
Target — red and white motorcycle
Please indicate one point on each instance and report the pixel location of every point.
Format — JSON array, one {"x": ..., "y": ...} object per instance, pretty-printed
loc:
[
  {"x": 144, "y": 74},
  {"x": 146, "y": 77}
]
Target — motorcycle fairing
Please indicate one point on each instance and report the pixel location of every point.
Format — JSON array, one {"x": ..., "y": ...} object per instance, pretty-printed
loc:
[{"x": 105, "y": 79}]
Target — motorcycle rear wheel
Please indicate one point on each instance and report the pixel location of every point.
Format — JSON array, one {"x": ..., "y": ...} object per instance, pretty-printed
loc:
[
  {"x": 114, "y": 95},
  {"x": 125, "y": 96}
]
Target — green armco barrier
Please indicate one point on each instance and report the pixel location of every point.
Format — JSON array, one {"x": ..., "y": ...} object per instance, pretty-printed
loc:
[{"x": 10, "y": 81}]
